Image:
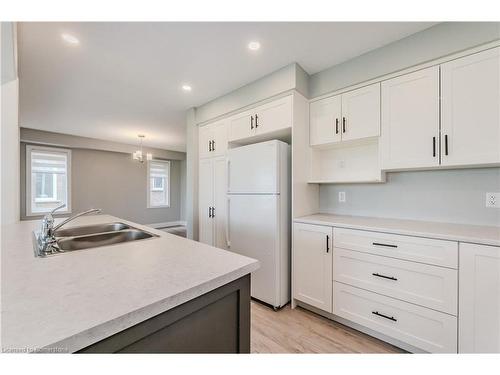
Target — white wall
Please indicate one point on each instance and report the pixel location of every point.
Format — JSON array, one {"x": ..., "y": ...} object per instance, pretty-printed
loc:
[
  {"x": 443, "y": 39},
  {"x": 282, "y": 80},
  {"x": 454, "y": 196},
  {"x": 192, "y": 175},
  {"x": 9, "y": 134}
]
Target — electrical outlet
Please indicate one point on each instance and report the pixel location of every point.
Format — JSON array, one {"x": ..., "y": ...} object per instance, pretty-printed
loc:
[
  {"x": 342, "y": 196},
  {"x": 493, "y": 200}
]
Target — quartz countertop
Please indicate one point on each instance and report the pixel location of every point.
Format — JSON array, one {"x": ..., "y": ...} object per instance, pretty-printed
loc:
[
  {"x": 484, "y": 235},
  {"x": 65, "y": 302}
]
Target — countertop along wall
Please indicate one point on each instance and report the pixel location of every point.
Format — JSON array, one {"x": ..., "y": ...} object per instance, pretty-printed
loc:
[{"x": 114, "y": 182}]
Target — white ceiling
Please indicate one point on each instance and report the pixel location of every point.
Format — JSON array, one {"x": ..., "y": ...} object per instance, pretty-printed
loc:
[{"x": 124, "y": 78}]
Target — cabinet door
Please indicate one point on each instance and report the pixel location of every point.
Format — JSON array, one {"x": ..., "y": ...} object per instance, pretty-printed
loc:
[
  {"x": 361, "y": 113},
  {"x": 470, "y": 112},
  {"x": 274, "y": 116},
  {"x": 219, "y": 138},
  {"x": 242, "y": 126},
  {"x": 206, "y": 199},
  {"x": 479, "y": 296},
  {"x": 220, "y": 202},
  {"x": 205, "y": 135},
  {"x": 410, "y": 120},
  {"x": 312, "y": 265},
  {"x": 325, "y": 118}
]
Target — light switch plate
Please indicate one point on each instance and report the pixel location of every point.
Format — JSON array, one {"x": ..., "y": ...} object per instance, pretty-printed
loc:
[
  {"x": 342, "y": 196},
  {"x": 493, "y": 200}
]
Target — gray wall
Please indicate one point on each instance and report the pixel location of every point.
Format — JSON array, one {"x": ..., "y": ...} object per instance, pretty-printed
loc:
[
  {"x": 114, "y": 182},
  {"x": 435, "y": 42},
  {"x": 75, "y": 141},
  {"x": 456, "y": 196}
]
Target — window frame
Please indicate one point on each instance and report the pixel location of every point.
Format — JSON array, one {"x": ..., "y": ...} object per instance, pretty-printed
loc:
[
  {"x": 167, "y": 183},
  {"x": 28, "y": 182}
]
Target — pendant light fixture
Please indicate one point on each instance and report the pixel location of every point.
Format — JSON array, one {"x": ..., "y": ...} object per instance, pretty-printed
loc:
[{"x": 139, "y": 155}]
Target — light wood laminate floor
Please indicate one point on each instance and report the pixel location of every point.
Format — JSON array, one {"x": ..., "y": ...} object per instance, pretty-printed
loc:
[{"x": 301, "y": 331}]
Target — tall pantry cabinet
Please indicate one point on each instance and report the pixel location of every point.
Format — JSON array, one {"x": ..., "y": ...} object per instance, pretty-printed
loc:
[{"x": 213, "y": 184}]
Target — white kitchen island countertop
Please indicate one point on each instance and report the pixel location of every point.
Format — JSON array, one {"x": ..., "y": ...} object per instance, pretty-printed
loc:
[
  {"x": 65, "y": 302},
  {"x": 484, "y": 235}
]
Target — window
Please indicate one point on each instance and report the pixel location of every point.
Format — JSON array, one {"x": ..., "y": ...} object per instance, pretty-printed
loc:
[
  {"x": 158, "y": 183},
  {"x": 47, "y": 179}
]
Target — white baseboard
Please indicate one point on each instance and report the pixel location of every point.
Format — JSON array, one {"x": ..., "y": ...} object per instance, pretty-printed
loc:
[{"x": 168, "y": 224}]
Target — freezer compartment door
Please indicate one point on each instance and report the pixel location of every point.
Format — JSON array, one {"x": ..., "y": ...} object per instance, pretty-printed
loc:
[
  {"x": 253, "y": 232},
  {"x": 254, "y": 168}
]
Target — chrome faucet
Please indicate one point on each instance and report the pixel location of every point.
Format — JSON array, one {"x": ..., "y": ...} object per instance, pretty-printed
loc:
[{"x": 45, "y": 238}]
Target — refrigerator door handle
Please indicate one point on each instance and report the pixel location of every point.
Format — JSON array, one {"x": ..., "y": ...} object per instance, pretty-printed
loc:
[{"x": 228, "y": 241}]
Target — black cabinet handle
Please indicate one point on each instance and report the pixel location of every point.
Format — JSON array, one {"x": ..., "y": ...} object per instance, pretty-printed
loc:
[
  {"x": 383, "y": 244},
  {"x": 336, "y": 126},
  {"x": 213, "y": 145},
  {"x": 343, "y": 124},
  {"x": 327, "y": 243},
  {"x": 384, "y": 316},
  {"x": 251, "y": 122},
  {"x": 209, "y": 146},
  {"x": 384, "y": 277},
  {"x": 446, "y": 144},
  {"x": 209, "y": 211},
  {"x": 213, "y": 211},
  {"x": 256, "y": 121},
  {"x": 434, "y": 147}
]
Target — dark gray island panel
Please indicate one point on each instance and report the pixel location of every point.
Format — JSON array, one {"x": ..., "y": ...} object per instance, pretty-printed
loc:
[{"x": 216, "y": 322}]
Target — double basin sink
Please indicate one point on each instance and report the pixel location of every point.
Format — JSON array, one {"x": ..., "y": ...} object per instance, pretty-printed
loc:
[{"x": 90, "y": 236}]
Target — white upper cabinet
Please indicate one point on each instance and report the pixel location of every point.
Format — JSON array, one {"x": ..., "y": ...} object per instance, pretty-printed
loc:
[
  {"x": 470, "y": 112},
  {"x": 273, "y": 116},
  {"x": 410, "y": 120},
  {"x": 267, "y": 118},
  {"x": 349, "y": 116},
  {"x": 324, "y": 117},
  {"x": 242, "y": 126},
  {"x": 361, "y": 113},
  {"x": 479, "y": 296},
  {"x": 212, "y": 139},
  {"x": 312, "y": 265}
]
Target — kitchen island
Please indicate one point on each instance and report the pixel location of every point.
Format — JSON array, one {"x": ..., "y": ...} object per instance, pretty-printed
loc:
[{"x": 162, "y": 294}]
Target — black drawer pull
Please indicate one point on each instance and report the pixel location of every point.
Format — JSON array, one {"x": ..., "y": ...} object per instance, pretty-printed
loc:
[
  {"x": 384, "y": 316},
  {"x": 327, "y": 243},
  {"x": 336, "y": 126},
  {"x": 385, "y": 277},
  {"x": 446, "y": 144},
  {"x": 343, "y": 124},
  {"x": 383, "y": 244},
  {"x": 251, "y": 122},
  {"x": 256, "y": 121},
  {"x": 434, "y": 147}
]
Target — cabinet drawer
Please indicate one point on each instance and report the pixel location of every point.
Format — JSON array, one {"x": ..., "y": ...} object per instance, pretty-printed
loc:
[
  {"x": 417, "y": 249},
  {"x": 422, "y": 284},
  {"x": 418, "y": 326}
]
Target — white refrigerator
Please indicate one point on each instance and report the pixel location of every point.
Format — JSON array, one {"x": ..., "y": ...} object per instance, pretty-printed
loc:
[{"x": 258, "y": 215}]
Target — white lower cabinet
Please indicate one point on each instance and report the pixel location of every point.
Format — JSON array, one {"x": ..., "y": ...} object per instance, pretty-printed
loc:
[
  {"x": 429, "y": 286},
  {"x": 312, "y": 265},
  {"x": 479, "y": 309},
  {"x": 423, "y": 328},
  {"x": 402, "y": 287}
]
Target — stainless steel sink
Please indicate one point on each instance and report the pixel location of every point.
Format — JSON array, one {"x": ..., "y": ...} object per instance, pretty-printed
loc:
[
  {"x": 101, "y": 239},
  {"x": 91, "y": 229}
]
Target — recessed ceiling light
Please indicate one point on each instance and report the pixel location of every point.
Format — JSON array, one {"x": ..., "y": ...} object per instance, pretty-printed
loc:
[
  {"x": 254, "y": 46},
  {"x": 186, "y": 87},
  {"x": 70, "y": 39}
]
